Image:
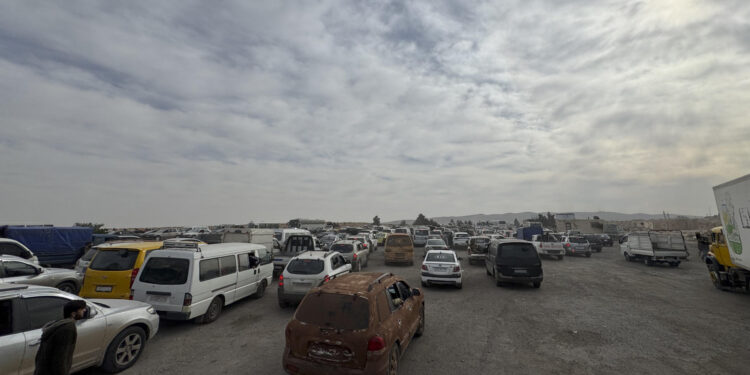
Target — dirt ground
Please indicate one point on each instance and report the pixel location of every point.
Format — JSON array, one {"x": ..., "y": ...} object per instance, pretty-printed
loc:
[{"x": 598, "y": 315}]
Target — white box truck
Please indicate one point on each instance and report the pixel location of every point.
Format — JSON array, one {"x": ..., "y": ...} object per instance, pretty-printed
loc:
[
  {"x": 653, "y": 247},
  {"x": 728, "y": 263}
]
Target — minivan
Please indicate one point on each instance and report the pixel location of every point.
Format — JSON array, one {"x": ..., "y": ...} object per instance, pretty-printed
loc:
[
  {"x": 112, "y": 270},
  {"x": 198, "y": 280},
  {"x": 514, "y": 261},
  {"x": 399, "y": 249}
]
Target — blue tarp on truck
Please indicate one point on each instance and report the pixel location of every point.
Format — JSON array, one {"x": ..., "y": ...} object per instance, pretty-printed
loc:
[
  {"x": 52, "y": 245},
  {"x": 525, "y": 233}
]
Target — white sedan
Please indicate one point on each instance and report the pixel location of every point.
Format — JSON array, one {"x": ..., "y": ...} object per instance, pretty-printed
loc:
[{"x": 442, "y": 267}]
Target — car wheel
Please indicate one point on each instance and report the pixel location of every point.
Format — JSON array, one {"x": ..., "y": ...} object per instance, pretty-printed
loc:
[
  {"x": 424, "y": 284},
  {"x": 588, "y": 255},
  {"x": 124, "y": 349},
  {"x": 420, "y": 327},
  {"x": 648, "y": 262},
  {"x": 67, "y": 287},
  {"x": 261, "y": 289},
  {"x": 393, "y": 360},
  {"x": 459, "y": 285},
  {"x": 674, "y": 264},
  {"x": 497, "y": 280},
  {"x": 627, "y": 257},
  {"x": 282, "y": 302},
  {"x": 213, "y": 312},
  {"x": 537, "y": 284}
]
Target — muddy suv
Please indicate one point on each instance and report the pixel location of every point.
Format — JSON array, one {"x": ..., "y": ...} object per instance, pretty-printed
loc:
[{"x": 359, "y": 323}]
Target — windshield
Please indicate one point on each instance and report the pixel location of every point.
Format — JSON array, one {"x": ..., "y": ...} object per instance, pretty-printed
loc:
[
  {"x": 398, "y": 241},
  {"x": 339, "y": 311},
  {"x": 114, "y": 260},
  {"x": 343, "y": 248},
  {"x": 165, "y": 271},
  {"x": 435, "y": 243},
  {"x": 482, "y": 240},
  {"x": 577, "y": 240},
  {"x": 461, "y": 235},
  {"x": 522, "y": 251},
  {"x": 420, "y": 232},
  {"x": 440, "y": 257},
  {"x": 401, "y": 231},
  {"x": 305, "y": 266}
]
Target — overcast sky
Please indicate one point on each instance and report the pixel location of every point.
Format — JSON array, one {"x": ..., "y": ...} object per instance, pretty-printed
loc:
[{"x": 180, "y": 113}]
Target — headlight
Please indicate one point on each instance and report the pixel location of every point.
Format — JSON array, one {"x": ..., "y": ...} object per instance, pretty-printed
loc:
[{"x": 151, "y": 310}]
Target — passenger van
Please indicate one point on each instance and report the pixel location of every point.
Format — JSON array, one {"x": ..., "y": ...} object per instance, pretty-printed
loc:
[
  {"x": 112, "y": 270},
  {"x": 194, "y": 280},
  {"x": 399, "y": 249},
  {"x": 514, "y": 261}
]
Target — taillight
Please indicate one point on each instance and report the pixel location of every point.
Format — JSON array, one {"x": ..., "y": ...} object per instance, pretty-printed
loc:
[
  {"x": 354, "y": 256},
  {"x": 567, "y": 245},
  {"x": 281, "y": 280},
  {"x": 424, "y": 267},
  {"x": 188, "y": 300},
  {"x": 456, "y": 269},
  {"x": 326, "y": 279},
  {"x": 133, "y": 275},
  {"x": 376, "y": 343}
]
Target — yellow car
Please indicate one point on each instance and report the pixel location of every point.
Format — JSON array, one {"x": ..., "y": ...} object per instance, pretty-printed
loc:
[
  {"x": 380, "y": 236},
  {"x": 114, "y": 267}
]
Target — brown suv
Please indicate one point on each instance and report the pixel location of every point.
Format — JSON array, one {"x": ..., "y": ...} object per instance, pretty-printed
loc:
[{"x": 359, "y": 323}]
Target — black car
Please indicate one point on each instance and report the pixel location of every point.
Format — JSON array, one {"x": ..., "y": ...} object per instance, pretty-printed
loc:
[
  {"x": 514, "y": 261},
  {"x": 596, "y": 242},
  {"x": 607, "y": 240}
]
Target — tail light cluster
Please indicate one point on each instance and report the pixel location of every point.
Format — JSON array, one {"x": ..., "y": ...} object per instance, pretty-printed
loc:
[
  {"x": 133, "y": 275},
  {"x": 354, "y": 256},
  {"x": 456, "y": 269},
  {"x": 424, "y": 267},
  {"x": 187, "y": 300},
  {"x": 376, "y": 343},
  {"x": 281, "y": 280}
]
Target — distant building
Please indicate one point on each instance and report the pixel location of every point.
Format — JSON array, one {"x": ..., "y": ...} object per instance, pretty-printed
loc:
[
  {"x": 312, "y": 224},
  {"x": 565, "y": 216},
  {"x": 582, "y": 225}
]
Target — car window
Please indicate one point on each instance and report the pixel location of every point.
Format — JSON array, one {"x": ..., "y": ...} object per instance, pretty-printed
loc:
[
  {"x": 209, "y": 269},
  {"x": 398, "y": 241},
  {"x": 305, "y": 266},
  {"x": 421, "y": 232},
  {"x": 393, "y": 293},
  {"x": 243, "y": 261},
  {"x": 13, "y": 249},
  {"x": 228, "y": 265},
  {"x": 14, "y": 269},
  {"x": 6, "y": 317},
  {"x": 165, "y": 271},
  {"x": 342, "y": 248},
  {"x": 114, "y": 260},
  {"x": 338, "y": 311},
  {"x": 404, "y": 289},
  {"x": 517, "y": 251},
  {"x": 265, "y": 256},
  {"x": 42, "y": 310},
  {"x": 440, "y": 257},
  {"x": 335, "y": 262},
  {"x": 89, "y": 255}
]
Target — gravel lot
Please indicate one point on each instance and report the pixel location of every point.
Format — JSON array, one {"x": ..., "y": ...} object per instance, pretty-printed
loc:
[{"x": 597, "y": 315}]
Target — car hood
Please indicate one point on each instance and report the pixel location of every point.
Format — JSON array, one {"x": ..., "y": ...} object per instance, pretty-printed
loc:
[{"x": 117, "y": 305}]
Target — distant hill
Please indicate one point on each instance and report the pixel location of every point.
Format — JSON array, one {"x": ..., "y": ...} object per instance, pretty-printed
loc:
[{"x": 521, "y": 216}]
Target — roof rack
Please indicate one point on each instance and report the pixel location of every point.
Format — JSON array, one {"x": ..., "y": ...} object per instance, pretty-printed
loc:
[
  {"x": 378, "y": 280},
  {"x": 182, "y": 244}
]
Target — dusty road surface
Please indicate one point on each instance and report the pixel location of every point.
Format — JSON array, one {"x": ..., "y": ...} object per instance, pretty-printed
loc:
[{"x": 598, "y": 315}]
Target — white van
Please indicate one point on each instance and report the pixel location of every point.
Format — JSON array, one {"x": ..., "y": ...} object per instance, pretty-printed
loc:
[{"x": 198, "y": 280}]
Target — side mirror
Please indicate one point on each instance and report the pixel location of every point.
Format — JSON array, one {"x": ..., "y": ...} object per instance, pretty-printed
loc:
[{"x": 416, "y": 292}]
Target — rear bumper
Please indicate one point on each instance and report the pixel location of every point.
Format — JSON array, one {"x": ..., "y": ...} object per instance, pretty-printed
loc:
[
  {"x": 289, "y": 297},
  {"x": 552, "y": 252},
  {"x": 520, "y": 279},
  {"x": 173, "y": 315},
  {"x": 451, "y": 279},
  {"x": 376, "y": 364}
]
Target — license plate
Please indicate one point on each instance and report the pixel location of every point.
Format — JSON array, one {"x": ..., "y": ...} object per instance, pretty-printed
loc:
[
  {"x": 521, "y": 271},
  {"x": 161, "y": 299},
  {"x": 302, "y": 283},
  {"x": 102, "y": 288},
  {"x": 278, "y": 260},
  {"x": 441, "y": 269}
]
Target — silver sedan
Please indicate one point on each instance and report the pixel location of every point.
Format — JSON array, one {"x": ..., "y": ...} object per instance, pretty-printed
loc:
[
  {"x": 15, "y": 270},
  {"x": 112, "y": 335}
]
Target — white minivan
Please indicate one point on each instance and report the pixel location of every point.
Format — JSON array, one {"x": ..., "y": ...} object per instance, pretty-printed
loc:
[{"x": 194, "y": 280}]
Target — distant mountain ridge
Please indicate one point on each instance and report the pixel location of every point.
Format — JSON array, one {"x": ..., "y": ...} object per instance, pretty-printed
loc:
[{"x": 521, "y": 216}]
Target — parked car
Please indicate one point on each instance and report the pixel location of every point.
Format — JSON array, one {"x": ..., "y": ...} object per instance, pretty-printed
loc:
[
  {"x": 399, "y": 249},
  {"x": 606, "y": 240},
  {"x": 309, "y": 270},
  {"x": 15, "y": 270},
  {"x": 402, "y": 231},
  {"x": 83, "y": 262},
  {"x": 114, "y": 267},
  {"x": 369, "y": 239},
  {"x": 460, "y": 239},
  {"x": 654, "y": 247},
  {"x": 15, "y": 248},
  {"x": 361, "y": 323},
  {"x": 294, "y": 245},
  {"x": 434, "y": 244},
  {"x": 194, "y": 232},
  {"x": 548, "y": 244},
  {"x": 595, "y": 241},
  {"x": 576, "y": 245},
  {"x": 514, "y": 261},
  {"x": 354, "y": 252},
  {"x": 442, "y": 267},
  {"x": 380, "y": 237},
  {"x": 160, "y": 234},
  {"x": 327, "y": 240},
  {"x": 112, "y": 335},
  {"x": 420, "y": 236},
  {"x": 478, "y": 244},
  {"x": 196, "y": 281}
]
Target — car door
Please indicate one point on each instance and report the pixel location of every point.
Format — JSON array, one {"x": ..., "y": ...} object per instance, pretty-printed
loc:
[
  {"x": 265, "y": 270},
  {"x": 400, "y": 321},
  {"x": 12, "y": 338},
  {"x": 247, "y": 276},
  {"x": 340, "y": 267},
  {"x": 411, "y": 310},
  {"x": 18, "y": 272}
]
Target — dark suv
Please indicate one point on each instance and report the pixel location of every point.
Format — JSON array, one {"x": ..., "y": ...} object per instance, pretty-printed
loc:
[
  {"x": 514, "y": 261},
  {"x": 356, "y": 324},
  {"x": 596, "y": 242}
]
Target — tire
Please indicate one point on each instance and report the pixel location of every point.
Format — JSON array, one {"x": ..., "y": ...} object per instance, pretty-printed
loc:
[
  {"x": 282, "y": 302},
  {"x": 124, "y": 349},
  {"x": 459, "y": 285},
  {"x": 393, "y": 358},
  {"x": 715, "y": 279},
  {"x": 213, "y": 312},
  {"x": 588, "y": 255},
  {"x": 261, "y": 291},
  {"x": 627, "y": 257},
  {"x": 560, "y": 257},
  {"x": 424, "y": 284},
  {"x": 67, "y": 287},
  {"x": 497, "y": 281},
  {"x": 537, "y": 284},
  {"x": 420, "y": 328},
  {"x": 648, "y": 262}
]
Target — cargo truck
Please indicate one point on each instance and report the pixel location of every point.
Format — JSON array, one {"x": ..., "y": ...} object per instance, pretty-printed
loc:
[
  {"x": 525, "y": 233},
  {"x": 728, "y": 264},
  {"x": 653, "y": 247},
  {"x": 52, "y": 245}
]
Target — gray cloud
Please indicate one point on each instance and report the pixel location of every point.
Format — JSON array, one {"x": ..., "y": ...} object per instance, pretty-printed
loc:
[{"x": 187, "y": 113}]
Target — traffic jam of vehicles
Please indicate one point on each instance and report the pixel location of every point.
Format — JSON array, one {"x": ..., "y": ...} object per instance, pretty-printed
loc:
[{"x": 346, "y": 320}]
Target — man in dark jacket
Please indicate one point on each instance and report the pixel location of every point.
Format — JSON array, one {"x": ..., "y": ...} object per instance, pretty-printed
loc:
[{"x": 55, "y": 354}]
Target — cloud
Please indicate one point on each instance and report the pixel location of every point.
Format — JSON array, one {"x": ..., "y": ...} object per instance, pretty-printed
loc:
[{"x": 192, "y": 113}]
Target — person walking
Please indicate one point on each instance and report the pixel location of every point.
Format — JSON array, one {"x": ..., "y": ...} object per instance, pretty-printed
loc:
[{"x": 55, "y": 355}]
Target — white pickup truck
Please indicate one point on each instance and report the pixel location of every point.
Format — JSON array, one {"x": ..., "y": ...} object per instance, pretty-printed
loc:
[
  {"x": 654, "y": 247},
  {"x": 548, "y": 244}
]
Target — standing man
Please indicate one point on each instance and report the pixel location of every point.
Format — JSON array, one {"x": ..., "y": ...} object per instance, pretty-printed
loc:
[{"x": 55, "y": 354}]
